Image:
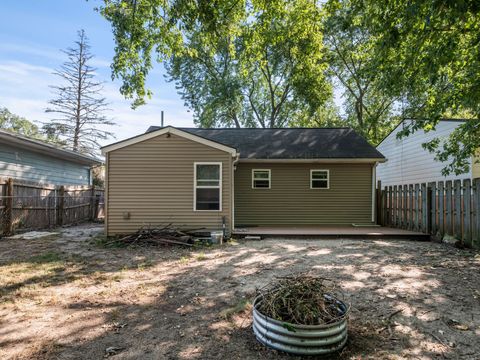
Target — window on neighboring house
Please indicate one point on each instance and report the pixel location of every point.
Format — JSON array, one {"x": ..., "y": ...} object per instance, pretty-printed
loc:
[
  {"x": 261, "y": 178},
  {"x": 208, "y": 186},
  {"x": 319, "y": 179}
]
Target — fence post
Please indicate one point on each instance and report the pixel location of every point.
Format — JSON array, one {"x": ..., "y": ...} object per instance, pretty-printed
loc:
[
  {"x": 378, "y": 199},
  {"x": 385, "y": 206},
  {"x": 432, "y": 200},
  {"x": 405, "y": 206},
  {"x": 400, "y": 207},
  {"x": 92, "y": 203},
  {"x": 424, "y": 208},
  {"x": 476, "y": 204},
  {"x": 8, "y": 210},
  {"x": 417, "y": 208},
  {"x": 448, "y": 209},
  {"x": 60, "y": 205},
  {"x": 441, "y": 209},
  {"x": 410, "y": 207},
  {"x": 390, "y": 206},
  {"x": 467, "y": 216},
  {"x": 457, "y": 185},
  {"x": 429, "y": 213},
  {"x": 395, "y": 206}
]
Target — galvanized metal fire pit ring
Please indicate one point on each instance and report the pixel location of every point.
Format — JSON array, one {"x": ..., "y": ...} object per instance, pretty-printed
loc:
[{"x": 301, "y": 339}]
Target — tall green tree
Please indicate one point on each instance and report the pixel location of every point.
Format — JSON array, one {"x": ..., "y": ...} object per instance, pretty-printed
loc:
[
  {"x": 428, "y": 54},
  {"x": 367, "y": 107},
  {"x": 327, "y": 115},
  {"x": 236, "y": 63},
  {"x": 18, "y": 125}
]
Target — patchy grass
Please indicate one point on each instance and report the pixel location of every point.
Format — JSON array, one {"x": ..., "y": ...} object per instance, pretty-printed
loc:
[
  {"x": 107, "y": 242},
  {"x": 47, "y": 257},
  {"x": 70, "y": 299},
  {"x": 201, "y": 256},
  {"x": 144, "y": 265},
  {"x": 241, "y": 306},
  {"x": 184, "y": 260}
]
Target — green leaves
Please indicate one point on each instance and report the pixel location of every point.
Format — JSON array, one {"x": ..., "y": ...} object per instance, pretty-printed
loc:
[
  {"x": 17, "y": 124},
  {"x": 273, "y": 63},
  {"x": 427, "y": 55},
  {"x": 240, "y": 63}
]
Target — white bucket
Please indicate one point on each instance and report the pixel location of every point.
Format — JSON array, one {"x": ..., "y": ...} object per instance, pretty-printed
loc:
[{"x": 217, "y": 237}]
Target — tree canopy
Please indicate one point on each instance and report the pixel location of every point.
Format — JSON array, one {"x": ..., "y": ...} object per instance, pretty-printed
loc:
[
  {"x": 18, "y": 125},
  {"x": 274, "y": 63},
  {"x": 251, "y": 63},
  {"x": 427, "y": 53}
]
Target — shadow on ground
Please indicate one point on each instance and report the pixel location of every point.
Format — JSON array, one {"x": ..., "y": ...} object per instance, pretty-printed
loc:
[{"x": 67, "y": 298}]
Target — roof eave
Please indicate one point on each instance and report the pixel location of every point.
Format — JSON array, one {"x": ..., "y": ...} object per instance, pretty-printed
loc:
[
  {"x": 47, "y": 149},
  {"x": 315, "y": 160},
  {"x": 168, "y": 130}
]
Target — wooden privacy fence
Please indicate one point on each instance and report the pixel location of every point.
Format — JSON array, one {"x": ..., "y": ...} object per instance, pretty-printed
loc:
[
  {"x": 437, "y": 208},
  {"x": 27, "y": 205}
]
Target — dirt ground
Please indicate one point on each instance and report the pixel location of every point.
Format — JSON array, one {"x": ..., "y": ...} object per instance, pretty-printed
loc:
[{"x": 67, "y": 296}]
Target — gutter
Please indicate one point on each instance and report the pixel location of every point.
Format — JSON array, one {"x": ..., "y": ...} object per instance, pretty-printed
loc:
[
  {"x": 374, "y": 180},
  {"x": 324, "y": 160}
]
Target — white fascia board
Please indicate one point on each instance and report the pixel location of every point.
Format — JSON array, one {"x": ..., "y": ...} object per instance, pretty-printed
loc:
[{"x": 168, "y": 130}]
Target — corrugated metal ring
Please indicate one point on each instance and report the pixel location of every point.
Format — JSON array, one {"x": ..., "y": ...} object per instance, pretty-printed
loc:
[{"x": 301, "y": 339}]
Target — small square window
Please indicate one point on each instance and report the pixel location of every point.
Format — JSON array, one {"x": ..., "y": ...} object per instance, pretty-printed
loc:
[
  {"x": 261, "y": 178},
  {"x": 319, "y": 179}
]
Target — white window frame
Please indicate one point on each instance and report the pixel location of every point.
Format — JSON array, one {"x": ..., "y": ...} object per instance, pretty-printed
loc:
[
  {"x": 269, "y": 179},
  {"x": 328, "y": 179},
  {"x": 195, "y": 186}
]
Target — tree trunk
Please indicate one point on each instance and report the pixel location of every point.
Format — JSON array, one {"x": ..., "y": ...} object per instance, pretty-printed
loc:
[{"x": 76, "y": 134}]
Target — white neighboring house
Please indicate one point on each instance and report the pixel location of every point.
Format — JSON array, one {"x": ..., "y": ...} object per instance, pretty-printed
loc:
[{"x": 409, "y": 163}]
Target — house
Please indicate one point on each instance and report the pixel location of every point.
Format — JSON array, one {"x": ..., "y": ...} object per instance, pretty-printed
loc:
[
  {"x": 22, "y": 158},
  {"x": 409, "y": 163},
  {"x": 239, "y": 177}
]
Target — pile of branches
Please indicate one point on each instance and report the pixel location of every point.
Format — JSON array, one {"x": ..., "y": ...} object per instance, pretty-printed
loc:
[
  {"x": 160, "y": 235},
  {"x": 301, "y": 299}
]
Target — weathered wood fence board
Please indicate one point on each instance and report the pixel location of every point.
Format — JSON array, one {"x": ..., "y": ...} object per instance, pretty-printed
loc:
[
  {"x": 26, "y": 205},
  {"x": 437, "y": 208}
]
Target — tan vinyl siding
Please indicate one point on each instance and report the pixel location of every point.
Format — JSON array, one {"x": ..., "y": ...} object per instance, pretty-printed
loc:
[
  {"x": 290, "y": 201},
  {"x": 153, "y": 181}
]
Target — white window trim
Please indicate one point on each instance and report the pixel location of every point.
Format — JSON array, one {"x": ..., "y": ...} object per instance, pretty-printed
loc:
[
  {"x": 195, "y": 187},
  {"x": 328, "y": 179},
  {"x": 269, "y": 179}
]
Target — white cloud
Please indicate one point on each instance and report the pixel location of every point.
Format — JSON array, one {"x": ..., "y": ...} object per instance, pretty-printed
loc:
[
  {"x": 24, "y": 90},
  {"x": 23, "y": 69},
  {"x": 47, "y": 53},
  {"x": 31, "y": 49}
]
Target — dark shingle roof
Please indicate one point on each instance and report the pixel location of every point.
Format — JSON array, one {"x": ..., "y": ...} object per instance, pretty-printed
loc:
[{"x": 291, "y": 143}]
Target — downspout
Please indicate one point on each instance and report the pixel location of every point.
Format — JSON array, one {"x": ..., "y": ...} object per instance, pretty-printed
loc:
[
  {"x": 374, "y": 180},
  {"x": 234, "y": 165}
]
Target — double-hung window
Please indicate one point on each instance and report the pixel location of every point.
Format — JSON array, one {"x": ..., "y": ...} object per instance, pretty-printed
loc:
[
  {"x": 261, "y": 178},
  {"x": 208, "y": 186},
  {"x": 319, "y": 179}
]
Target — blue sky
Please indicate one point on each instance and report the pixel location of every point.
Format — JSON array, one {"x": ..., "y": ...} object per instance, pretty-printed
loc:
[{"x": 32, "y": 33}]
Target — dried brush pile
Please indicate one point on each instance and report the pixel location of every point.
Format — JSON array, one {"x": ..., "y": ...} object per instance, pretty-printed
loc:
[
  {"x": 159, "y": 235},
  {"x": 301, "y": 299}
]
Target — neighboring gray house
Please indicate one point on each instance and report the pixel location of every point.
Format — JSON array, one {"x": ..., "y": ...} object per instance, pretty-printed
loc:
[
  {"x": 23, "y": 158},
  {"x": 409, "y": 163}
]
